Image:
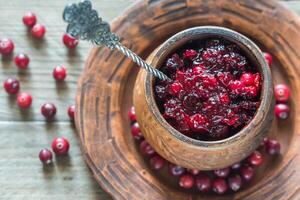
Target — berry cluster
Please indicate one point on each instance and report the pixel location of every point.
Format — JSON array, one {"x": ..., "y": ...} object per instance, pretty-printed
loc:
[
  {"x": 214, "y": 90},
  {"x": 24, "y": 99},
  {"x": 229, "y": 179}
]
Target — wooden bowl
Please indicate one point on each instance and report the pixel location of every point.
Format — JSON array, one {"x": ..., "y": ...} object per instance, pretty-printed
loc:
[
  {"x": 183, "y": 150},
  {"x": 106, "y": 85}
]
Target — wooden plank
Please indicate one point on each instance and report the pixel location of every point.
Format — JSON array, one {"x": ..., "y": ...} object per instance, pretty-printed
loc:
[{"x": 21, "y": 174}]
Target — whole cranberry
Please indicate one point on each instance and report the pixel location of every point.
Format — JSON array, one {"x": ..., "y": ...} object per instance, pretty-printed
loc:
[
  {"x": 135, "y": 131},
  {"x": 48, "y": 110},
  {"x": 131, "y": 114},
  {"x": 38, "y": 31},
  {"x": 71, "y": 112},
  {"x": 235, "y": 182},
  {"x": 6, "y": 46},
  {"x": 219, "y": 186},
  {"x": 45, "y": 156},
  {"x": 186, "y": 181},
  {"x": 146, "y": 149},
  {"x": 236, "y": 166},
  {"x": 11, "y": 85},
  {"x": 247, "y": 173},
  {"x": 70, "y": 41},
  {"x": 222, "y": 173},
  {"x": 59, "y": 73},
  {"x": 282, "y": 93},
  {"x": 60, "y": 146},
  {"x": 255, "y": 158},
  {"x": 273, "y": 147},
  {"x": 282, "y": 111},
  {"x": 193, "y": 171},
  {"x": 247, "y": 79},
  {"x": 29, "y": 19},
  {"x": 203, "y": 183},
  {"x": 24, "y": 100},
  {"x": 175, "y": 170},
  {"x": 268, "y": 58},
  {"x": 22, "y": 61},
  {"x": 157, "y": 162}
]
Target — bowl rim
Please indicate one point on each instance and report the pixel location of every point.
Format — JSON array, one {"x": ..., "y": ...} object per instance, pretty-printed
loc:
[{"x": 208, "y": 31}]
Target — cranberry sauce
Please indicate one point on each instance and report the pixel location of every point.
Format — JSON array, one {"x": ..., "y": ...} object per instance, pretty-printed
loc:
[{"x": 214, "y": 92}]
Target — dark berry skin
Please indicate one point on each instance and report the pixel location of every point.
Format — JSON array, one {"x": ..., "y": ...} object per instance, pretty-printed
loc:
[
  {"x": 255, "y": 158},
  {"x": 268, "y": 58},
  {"x": 222, "y": 173},
  {"x": 71, "y": 112},
  {"x": 186, "y": 181},
  {"x": 6, "y": 46},
  {"x": 203, "y": 183},
  {"x": 22, "y": 61},
  {"x": 235, "y": 182},
  {"x": 272, "y": 147},
  {"x": 175, "y": 170},
  {"x": 135, "y": 131},
  {"x": 38, "y": 31},
  {"x": 131, "y": 114},
  {"x": 157, "y": 162},
  {"x": 59, "y": 73},
  {"x": 247, "y": 173},
  {"x": 60, "y": 146},
  {"x": 45, "y": 156},
  {"x": 70, "y": 41},
  {"x": 48, "y": 110},
  {"x": 11, "y": 86},
  {"x": 282, "y": 111},
  {"x": 146, "y": 149},
  {"x": 282, "y": 93},
  {"x": 236, "y": 166},
  {"x": 219, "y": 186}
]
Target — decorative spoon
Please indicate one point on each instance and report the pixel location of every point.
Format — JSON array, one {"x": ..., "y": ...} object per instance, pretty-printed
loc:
[{"x": 84, "y": 23}]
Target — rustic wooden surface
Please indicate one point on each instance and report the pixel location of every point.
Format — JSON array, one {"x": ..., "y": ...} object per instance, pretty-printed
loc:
[{"x": 23, "y": 134}]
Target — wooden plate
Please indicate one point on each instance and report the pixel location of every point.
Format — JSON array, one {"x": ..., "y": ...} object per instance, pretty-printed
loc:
[{"x": 105, "y": 94}]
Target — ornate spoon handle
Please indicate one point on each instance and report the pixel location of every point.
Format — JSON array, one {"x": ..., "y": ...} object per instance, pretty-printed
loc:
[{"x": 84, "y": 23}]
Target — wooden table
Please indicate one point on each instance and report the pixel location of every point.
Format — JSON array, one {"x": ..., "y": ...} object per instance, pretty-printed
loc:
[{"x": 25, "y": 132}]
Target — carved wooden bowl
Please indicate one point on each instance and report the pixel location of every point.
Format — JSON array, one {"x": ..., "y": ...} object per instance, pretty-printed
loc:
[
  {"x": 106, "y": 87},
  {"x": 183, "y": 150}
]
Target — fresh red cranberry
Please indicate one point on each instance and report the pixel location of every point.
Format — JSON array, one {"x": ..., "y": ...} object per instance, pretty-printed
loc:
[
  {"x": 219, "y": 186},
  {"x": 203, "y": 183},
  {"x": 22, "y": 61},
  {"x": 131, "y": 114},
  {"x": 135, "y": 131},
  {"x": 175, "y": 170},
  {"x": 236, "y": 166},
  {"x": 186, "y": 181},
  {"x": 235, "y": 182},
  {"x": 48, "y": 110},
  {"x": 29, "y": 19},
  {"x": 71, "y": 112},
  {"x": 60, "y": 146},
  {"x": 6, "y": 46},
  {"x": 193, "y": 171},
  {"x": 272, "y": 147},
  {"x": 190, "y": 54},
  {"x": 70, "y": 41},
  {"x": 282, "y": 111},
  {"x": 157, "y": 162},
  {"x": 24, "y": 100},
  {"x": 268, "y": 58},
  {"x": 11, "y": 86},
  {"x": 247, "y": 173},
  {"x": 255, "y": 158},
  {"x": 146, "y": 149},
  {"x": 282, "y": 93},
  {"x": 38, "y": 31},
  {"x": 222, "y": 173},
  {"x": 59, "y": 73},
  {"x": 45, "y": 156},
  {"x": 247, "y": 79},
  {"x": 174, "y": 88}
]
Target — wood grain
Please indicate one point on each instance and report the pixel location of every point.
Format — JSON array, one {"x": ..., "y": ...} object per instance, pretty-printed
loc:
[
  {"x": 105, "y": 94},
  {"x": 23, "y": 134}
]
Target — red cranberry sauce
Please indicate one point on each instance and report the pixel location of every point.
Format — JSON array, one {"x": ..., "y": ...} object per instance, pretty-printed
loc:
[{"x": 214, "y": 91}]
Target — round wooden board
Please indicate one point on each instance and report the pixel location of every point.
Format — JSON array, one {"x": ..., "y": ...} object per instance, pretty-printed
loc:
[{"x": 105, "y": 94}]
